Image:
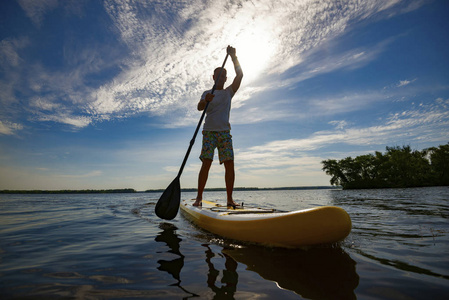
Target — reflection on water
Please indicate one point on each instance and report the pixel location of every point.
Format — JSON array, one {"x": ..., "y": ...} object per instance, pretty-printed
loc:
[
  {"x": 112, "y": 246},
  {"x": 389, "y": 223},
  {"x": 173, "y": 267},
  {"x": 229, "y": 279},
  {"x": 316, "y": 273}
]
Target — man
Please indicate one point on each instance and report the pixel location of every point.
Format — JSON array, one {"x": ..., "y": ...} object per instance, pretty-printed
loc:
[{"x": 217, "y": 129}]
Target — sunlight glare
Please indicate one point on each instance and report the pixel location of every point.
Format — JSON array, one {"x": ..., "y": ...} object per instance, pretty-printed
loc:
[{"x": 255, "y": 48}]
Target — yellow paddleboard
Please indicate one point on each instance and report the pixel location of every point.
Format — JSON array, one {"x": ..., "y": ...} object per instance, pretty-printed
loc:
[{"x": 320, "y": 225}]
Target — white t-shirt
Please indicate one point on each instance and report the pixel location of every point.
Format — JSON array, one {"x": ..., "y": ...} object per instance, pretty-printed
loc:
[{"x": 218, "y": 110}]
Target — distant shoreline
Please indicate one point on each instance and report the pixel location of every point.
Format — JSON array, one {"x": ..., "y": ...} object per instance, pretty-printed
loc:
[
  {"x": 110, "y": 191},
  {"x": 128, "y": 191}
]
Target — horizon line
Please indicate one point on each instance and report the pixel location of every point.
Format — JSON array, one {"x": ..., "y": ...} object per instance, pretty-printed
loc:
[{"x": 131, "y": 190}]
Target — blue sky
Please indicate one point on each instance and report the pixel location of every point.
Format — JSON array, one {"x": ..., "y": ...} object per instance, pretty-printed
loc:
[{"x": 103, "y": 94}]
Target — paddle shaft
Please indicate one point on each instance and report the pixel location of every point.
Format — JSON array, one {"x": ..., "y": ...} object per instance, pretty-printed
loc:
[{"x": 192, "y": 141}]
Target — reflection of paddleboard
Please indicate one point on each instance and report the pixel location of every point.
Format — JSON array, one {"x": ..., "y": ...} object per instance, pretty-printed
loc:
[
  {"x": 320, "y": 225},
  {"x": 316, "y": 273}
]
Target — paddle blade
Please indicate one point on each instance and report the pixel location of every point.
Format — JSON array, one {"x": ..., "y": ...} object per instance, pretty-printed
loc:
[{"x": 168, "y": 205}]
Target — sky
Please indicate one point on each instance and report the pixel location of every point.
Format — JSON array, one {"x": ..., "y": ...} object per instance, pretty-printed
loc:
[{"x": 103, "y": 94}]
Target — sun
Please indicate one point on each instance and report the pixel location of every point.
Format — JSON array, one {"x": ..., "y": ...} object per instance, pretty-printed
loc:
[{"x": 255, "y": 49}]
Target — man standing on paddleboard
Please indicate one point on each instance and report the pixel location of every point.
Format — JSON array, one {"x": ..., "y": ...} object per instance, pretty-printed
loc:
[{"x": 217, "y": 129}]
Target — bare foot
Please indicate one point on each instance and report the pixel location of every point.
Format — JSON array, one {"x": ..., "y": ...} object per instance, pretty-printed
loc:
[
  {"x": 197, "y": 202},
  {"x": 232, "y": 203}
]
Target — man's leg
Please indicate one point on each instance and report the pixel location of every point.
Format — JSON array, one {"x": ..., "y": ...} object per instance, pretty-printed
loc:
[
  {"x": 229, "y": 179},
  {"x": 202, "y": 179}
]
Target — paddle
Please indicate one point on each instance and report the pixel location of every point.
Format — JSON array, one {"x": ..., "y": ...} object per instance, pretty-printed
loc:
[{"x": 168, "y": 204}]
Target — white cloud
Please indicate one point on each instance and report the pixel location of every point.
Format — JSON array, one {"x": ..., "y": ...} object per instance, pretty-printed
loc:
[
  {"x": 94, "y": 173},
  {"x": 9, "y": 128},
  {"x": 173, "y": 58},
  {"x": 339, "y": 124},
  {"x": 443, "y": 102},
  {"x": 76, "y": 122},
  {"x": 9, "y": 51},
  {"x": 300, "y": 108},
  {"x": 174, "y": 46},
  {"x": 36, "y": 10},
  {"x": 412, "y": 125},
  {"x": 44, "y": 104},
  {"x": 405, "y": 82}
]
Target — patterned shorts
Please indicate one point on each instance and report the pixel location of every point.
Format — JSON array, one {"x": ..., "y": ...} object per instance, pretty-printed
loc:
[{"x": 217, "y": 139}]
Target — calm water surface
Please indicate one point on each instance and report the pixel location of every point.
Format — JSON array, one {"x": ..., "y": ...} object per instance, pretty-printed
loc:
[{"x": 113, "y": 246}]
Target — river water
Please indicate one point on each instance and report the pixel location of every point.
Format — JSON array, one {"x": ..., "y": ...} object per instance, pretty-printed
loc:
[{"x": 107, "y": 246}]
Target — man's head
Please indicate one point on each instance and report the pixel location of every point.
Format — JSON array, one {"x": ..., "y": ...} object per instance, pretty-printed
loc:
[{"x": 223, "y": 78}]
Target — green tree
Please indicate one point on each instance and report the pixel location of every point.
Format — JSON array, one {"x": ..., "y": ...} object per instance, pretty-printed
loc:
[
  {"x": 332, "y": 168},
  {"x": 405, "y": 168},
  {"x": 398, "y": 167},
  {"x": 439, "y": 163}
]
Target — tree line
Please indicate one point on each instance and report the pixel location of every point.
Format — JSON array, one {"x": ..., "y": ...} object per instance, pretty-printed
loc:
[
  {"x": 398, "y": 167},
  {"x": 111, "y": 191}
]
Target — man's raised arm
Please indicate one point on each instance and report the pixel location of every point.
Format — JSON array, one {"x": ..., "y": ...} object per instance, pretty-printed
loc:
[{"x": 238, "y": 69}]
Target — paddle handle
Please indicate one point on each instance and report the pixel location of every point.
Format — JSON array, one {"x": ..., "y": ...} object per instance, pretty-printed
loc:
[{"x": 192, "y": 141}]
